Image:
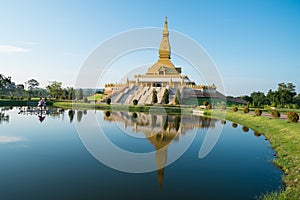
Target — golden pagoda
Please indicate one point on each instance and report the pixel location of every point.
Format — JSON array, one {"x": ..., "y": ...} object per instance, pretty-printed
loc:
[
  {"x": 163, "y": 72},
  {"x": 161, "y": 76}
]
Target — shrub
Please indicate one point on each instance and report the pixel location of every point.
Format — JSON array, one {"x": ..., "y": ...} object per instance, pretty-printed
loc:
[
  {"x": 293, "y": 117},
  {"x": 223, "y": 107},
  {"x": 29, "y": 98},
  {"x": 154, "y": 96},
  {"x": 258, "y": 112},
  {"x": 86, "y": 100},
  {"x": 108, "y": 101},
  {"x": 235, "y": 109},
  {"x": 177, "y": 97},
  {"x": 135, "y": 102},
  {"x": 275, "y": 113},
  {"x": 246, "y": 110},
  {"x": 205, "y": 103},
  {"x": 166, "y": 97}
]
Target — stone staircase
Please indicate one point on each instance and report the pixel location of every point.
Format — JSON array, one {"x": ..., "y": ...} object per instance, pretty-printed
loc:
[{"x": 143, "y": 94}]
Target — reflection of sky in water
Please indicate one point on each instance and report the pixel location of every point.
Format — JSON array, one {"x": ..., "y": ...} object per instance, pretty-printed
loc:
[
  {"x": 56, "y": 165},
  {"x": 10, "y": 139}
]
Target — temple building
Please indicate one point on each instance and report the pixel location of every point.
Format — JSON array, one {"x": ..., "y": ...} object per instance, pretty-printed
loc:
[
  {"x": 163, "y": 72},
  {"x": 162, "y": 75}
]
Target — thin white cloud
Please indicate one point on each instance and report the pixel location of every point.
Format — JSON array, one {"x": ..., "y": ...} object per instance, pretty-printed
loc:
[
  {"x": 10, "y": 139},
  {"x": 27, "y": 43},
  {"x": 12, "y": 49},
  {"x": 68, "y": 54}
]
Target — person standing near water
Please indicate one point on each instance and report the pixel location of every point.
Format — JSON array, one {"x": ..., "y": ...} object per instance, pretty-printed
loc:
[{"x": 41, "y": 103}]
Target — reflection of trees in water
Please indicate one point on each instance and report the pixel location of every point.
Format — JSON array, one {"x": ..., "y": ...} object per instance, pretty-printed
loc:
[
  {"x": 177, "y": 120},
  {"x": 107, "y": 113},
  {"x": 153, "y": 121},
  {"x": 134, "y": 116},
  {"x": 4, "y": 117},
  {"x": 257, "y": 134},
  {"x": 79, "y": 115},
  {"x": 165, "y": 122},
  {"x": 71, "y": 114},
  {"x": 234, "y": 125},
  {"x": 41, "y": 112},
  {"x": 245, "y": 129},
  {"x": 207, "y": 122}
]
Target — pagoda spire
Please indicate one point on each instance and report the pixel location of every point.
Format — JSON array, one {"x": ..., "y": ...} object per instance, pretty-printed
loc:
[{"x": 164, "y": 49}]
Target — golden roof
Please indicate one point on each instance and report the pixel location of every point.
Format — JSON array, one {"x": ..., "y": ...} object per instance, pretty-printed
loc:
[{"x": 164, "y": 63}]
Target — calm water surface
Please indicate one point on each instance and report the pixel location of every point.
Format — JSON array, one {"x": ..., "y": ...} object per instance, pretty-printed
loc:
[{"x": 47, "y": 160}]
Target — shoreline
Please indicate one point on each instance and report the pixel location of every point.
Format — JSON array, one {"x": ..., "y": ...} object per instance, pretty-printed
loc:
[{"x": 284, "y": 138}]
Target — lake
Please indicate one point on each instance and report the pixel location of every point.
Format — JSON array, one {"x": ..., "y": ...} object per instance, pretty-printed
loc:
[{"x": 54, "y": 156}]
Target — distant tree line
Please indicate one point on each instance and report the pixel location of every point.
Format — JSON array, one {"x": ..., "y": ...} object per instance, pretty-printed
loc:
[
  {"x": 10, "y": 90},
  {"x": 285, "y": 97}
]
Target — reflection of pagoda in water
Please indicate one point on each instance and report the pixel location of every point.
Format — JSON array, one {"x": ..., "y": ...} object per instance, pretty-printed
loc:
[{"x": 160, "y": 131}]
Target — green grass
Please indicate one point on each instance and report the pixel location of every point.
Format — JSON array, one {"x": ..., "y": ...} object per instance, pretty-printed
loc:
[
  {"x": 285, "y": 140},
  {"x": 96, "y": 97}
]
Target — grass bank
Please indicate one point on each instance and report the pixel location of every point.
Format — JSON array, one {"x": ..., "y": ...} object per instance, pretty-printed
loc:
[
  {"x": 285, "y": 140},
  {"x": 159, "y": 109}
]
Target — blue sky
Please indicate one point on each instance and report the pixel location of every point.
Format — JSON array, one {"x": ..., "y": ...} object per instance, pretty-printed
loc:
[{"x": 255, "y": 44}]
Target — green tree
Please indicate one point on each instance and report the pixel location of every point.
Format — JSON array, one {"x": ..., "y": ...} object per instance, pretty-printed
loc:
[
  {"x": 286, "y": 93},
  {"x": 248, "y": 99},
  {"x": 154, "y": 96},
  {"x": 177, "y": 97},
  {"x": 80, "y": 94},
  {"x": 55, "y": 89},
  {"x": 20, "y": 90},
  {"x": 65, "y": 94},
  {"x": 297, "y": 100},
  {"x": 4, "y": 83},
  {"x": 166, "y": 96},
  {"x": 259, "y": 98},
  {"x": 108, "y": 101},
  {"x": 71, "y": 93},
  {"x": 32, "y": 84}
]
